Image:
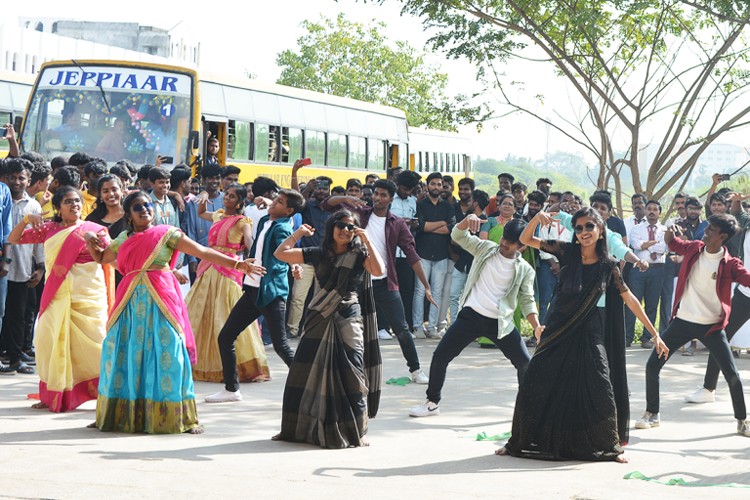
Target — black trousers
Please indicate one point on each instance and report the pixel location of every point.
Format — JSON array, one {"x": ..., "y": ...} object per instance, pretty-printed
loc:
[
  {"x": 738, "y": 317},
  {"x": 14, "y": 322},
  {"x": 469, "y": 326},
  {"x": 680, "y": 332},
  {"x": 406, "y": 279},
  {"x": 246, "y": 311},
  {"x": 389, "y": 307}
]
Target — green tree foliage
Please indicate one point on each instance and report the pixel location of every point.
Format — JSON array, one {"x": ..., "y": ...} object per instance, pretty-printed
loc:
[
  {"x": 348, "y": 59},
  {"x": 674, "y": 73}
]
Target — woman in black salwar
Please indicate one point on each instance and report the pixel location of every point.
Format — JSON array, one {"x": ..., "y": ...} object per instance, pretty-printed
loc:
[
  {"x": 573, "y": 402},
  {"x": 333, "y": 385}
]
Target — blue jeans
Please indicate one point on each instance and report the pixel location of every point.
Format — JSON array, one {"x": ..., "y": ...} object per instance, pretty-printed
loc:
[
  {"x": 458, "y": 281},
  {"x": 667, "y": 290},
  {"x": 645, "y": 286},
  {"x": 444, "y": 305},
  {"x": 547, "y": 282},
  {"x": 436, "y": 272}
]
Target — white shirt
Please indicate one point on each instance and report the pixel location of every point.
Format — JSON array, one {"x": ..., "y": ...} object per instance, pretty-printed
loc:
[
  {"x": 639, "y": 234},
  {"x": 700, "y": 303},
  {"x": 255, "y": 214},
  {"x": 631, "y": 222},
  {"x": 254, "y": 279},
  {"x": 406, "y": 209},
  {"x": 554, "y": 231},
  {"x": 376, "y": 233},
  {"x": 746, "y": 247},
  {"x": 492, "y": 285}
]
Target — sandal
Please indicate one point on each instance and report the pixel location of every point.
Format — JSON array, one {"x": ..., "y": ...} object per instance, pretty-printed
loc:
[{"x": 23, "y": 368}]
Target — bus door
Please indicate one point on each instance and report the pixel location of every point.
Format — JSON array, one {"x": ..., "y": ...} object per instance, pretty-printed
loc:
[{"x": 214, "y": 126}]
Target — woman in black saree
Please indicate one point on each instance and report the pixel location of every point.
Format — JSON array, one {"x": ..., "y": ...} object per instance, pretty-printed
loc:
[
  {"x": 573, "y": 402},
  {"x": 333, "y": 385}
]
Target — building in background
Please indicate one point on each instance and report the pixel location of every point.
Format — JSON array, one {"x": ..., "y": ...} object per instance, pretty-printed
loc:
[{"x": 24, "y": 48}]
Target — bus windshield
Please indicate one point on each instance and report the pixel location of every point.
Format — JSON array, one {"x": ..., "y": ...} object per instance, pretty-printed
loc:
[{"x": 114, "y": 113}]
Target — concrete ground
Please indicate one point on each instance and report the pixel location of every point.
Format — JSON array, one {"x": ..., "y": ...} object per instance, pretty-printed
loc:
[{"x": 49, "y": 455}]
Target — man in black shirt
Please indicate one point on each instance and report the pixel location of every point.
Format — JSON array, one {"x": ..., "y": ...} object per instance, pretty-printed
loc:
[{"x": 436, "y": 220}]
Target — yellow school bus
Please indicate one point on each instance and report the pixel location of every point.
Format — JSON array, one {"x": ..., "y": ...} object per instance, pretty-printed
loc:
[
  {"x": 138, "y": 111},
  {"x": 14, "y": 95}
]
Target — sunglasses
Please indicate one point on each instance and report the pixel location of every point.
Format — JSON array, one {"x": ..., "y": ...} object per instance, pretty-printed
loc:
[
  {"x": 140, "y": 207},
  {"x": 590, "y": 226},
  {"x": 345, "y": 225}
]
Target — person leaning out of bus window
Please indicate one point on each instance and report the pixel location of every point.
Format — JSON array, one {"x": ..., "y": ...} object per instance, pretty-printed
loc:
[
  {"x": 212, "y": 151},
  {"x": 8, "y": 134}
]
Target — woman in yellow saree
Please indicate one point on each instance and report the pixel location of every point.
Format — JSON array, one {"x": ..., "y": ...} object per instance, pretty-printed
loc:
[
  {"x": 73, "y": 309},
  {"x": 217, "y": 290}
]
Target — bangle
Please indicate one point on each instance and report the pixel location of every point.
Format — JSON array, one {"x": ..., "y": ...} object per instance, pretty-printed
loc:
[
  {"x": 236, "y": 263},
  {"x": 294, "y": 238},
  {"x": 26, "y": 219}
]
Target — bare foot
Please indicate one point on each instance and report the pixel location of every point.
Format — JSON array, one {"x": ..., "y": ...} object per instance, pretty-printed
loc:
[
  {"x": 92, "y": 425},
  {"x": 501, "y": 452},
  {"x": 277, "y": 437},
  {"x": 196, "y": 430},
  {"x": 363, "y": 441},
  {"x": 622, "y": 459},
  {"x": 39, "y": 406}
]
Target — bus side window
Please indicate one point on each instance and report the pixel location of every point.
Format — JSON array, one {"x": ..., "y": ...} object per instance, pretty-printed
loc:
[
  {"x": 261, "y": 143},
  {"x": 291, "y": 139}
]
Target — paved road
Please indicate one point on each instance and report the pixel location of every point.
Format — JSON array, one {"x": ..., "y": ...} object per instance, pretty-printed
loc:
[{"x": 49, "y": 455}]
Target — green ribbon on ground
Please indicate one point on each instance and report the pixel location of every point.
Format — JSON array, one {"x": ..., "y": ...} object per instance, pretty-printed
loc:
[
  {"x": 678, "y": 481},
  {"x": 402, "y": 381},
  {"x": 482, "y": 436}
]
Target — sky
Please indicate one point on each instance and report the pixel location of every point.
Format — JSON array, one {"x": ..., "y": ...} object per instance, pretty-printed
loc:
[{"x": 245, "y": 36}]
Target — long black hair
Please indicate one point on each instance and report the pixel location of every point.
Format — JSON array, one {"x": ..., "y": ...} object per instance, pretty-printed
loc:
[
  {"x": 128, "y": 202},
  {"x": 327, "y": 241},
  {"x": 574, "y": 281},
  {"x": 100, "y": 209},
  {"x": 57, "y": 199}
]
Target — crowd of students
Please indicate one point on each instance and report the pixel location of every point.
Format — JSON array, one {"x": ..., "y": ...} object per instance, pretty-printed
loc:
[{"x": 132, "y": 283}]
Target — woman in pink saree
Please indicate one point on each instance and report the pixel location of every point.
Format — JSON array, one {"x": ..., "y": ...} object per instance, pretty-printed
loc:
[
  {"x": 146, "y": 383},
  {"x": 73, "y": 310}
]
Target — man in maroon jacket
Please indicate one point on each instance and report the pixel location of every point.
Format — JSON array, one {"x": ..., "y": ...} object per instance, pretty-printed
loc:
[
  {"x": 703, "y": 297},
  {"x": 386, "y": 232}
]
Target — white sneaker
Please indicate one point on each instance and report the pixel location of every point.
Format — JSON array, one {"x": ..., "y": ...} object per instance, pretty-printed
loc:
[
  {"x": 743, "y": 427},
  {"x": 224, "y": 396},
  {"x": 433, "y": 334},
  {"x": 702, "y": 395},
  {"x": 647, "y": 421},
  {"x": 426, "y": 409},
  {"x": 418, "y": 377},
  {"x": 384, "y": 335},
  {"x": 418, "y": 332}
]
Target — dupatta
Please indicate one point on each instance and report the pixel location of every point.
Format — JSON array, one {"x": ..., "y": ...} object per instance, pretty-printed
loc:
[
  {"x": 134, "y": 257},
  {"x": 69, "y": 243},
  {"x": 218, "y": 239}
]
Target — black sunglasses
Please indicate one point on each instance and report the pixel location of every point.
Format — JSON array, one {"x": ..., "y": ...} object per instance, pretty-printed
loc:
[
  {"x": 140, "y": 207},
  {"x": 345, "y": 225},
  {"x": 590, "y": 226}
]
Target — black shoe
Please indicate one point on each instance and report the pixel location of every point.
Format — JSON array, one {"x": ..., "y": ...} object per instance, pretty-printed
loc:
[
  {"x": 628, "y": 344},
  {"x": 647, "y": 344},
  {"x": 30, "y": 353},
  {"x": 531, "y": 342},
  {"x": 25, "y": 358},
  {"x": 7, "y": 370}
]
